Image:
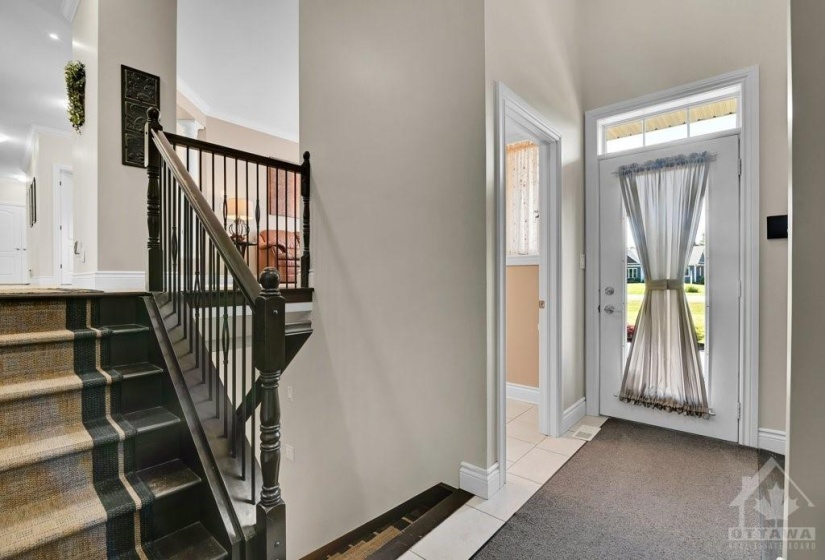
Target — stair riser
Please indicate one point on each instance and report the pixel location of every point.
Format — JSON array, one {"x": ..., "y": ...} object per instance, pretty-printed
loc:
[
  {"x": 156, "y": 447},
  {"x": 44, "y": 360},
  {"x": 141, "y": 393},
  {"x": 27, "y": 418},
  {"x": 31, "y": 316},
  {"x": 176, "y": 511}
]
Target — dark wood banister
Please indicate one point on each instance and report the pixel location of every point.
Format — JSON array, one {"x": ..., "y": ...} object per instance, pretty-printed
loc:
[
  {"x": 233, "y": 153},
  {"x": 223, "y": 243},
  {"x": 269, "y": 326}
]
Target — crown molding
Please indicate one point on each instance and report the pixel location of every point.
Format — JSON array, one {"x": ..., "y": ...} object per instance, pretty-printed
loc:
[
  {"x": 34, "y": 133},
  {"x": 185, "y": 90}
]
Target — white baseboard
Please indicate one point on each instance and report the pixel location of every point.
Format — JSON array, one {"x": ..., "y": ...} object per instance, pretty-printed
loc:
[
  {"x": 771, "y": 440},
  {"x": 49, "y": 281},
  {"x": 111, "y": 280},
  {"x": 481, "y": 482},
  {"x": 573, "y": 414},
  {"x": 523, "y": 393}
]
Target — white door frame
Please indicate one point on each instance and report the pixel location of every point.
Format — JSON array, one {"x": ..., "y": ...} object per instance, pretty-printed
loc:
[
  {"x": 57, "y": 208},
  {"x": 511, "y": 106},
  {"x": 748, "y": 80}
]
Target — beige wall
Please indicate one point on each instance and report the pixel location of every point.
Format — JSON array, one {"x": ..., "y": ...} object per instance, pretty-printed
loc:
[
  {"x": 531, "y": 46},
  {"x": 106, "y": 35},
  {"x": 390, "y": 389},
  {"x": 711, "y": 38},
  {"x": 806, "y": 415},
  {"x": 48, "y": 150},
  {"x": 522, "y": 325},
  {"x": 236, "y": 136}
]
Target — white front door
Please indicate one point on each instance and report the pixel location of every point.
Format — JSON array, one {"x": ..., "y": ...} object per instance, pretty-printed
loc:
[
  {"x": 65, "y": 226},
  {"x": 712, "y": 290},
  {"x": 12, "y": 244}
]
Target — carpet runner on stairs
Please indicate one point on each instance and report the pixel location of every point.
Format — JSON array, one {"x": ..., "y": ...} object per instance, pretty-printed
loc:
[{"x": 79, "y": 475}]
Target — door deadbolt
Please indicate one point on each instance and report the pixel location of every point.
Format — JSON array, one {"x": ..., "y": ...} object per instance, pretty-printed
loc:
[{"x": 609, "y": 291}]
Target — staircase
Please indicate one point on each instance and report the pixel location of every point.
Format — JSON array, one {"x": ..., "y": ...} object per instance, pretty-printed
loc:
[
  {"x": 95, "y": 459},
  {"x": 147, "y": 425}
]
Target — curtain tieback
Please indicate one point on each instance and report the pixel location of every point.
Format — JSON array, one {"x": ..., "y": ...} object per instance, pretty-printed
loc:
[{"x": 662, "y": 285}]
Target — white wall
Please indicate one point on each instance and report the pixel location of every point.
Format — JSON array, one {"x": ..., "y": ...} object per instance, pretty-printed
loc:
[
  {"x": 106, "y": 35},
  {"x": 635, "y": 47},
  {"x": 390, "y": 389},
  {"x": 531, "y": 47},
  {"x": 48, "y": 150},
  {"x": 12, "y": 192},
  {"x": 806, "y": 415}
]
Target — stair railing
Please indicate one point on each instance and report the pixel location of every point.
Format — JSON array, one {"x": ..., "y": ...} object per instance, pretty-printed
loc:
[{"x": 196, "y": 268}]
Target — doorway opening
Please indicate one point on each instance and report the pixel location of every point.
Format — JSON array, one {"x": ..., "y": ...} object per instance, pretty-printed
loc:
[
  {"x": 13, "y": 261},
  {"x": 63, "y": 224},
  {"x": 528, "y": 280},
  {"x": 672, "y": 249}
]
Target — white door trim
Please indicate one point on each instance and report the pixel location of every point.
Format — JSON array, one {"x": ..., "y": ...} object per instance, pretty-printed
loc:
[
  {"x": 57, "y": 169},
  {"x": 511, "y": 106},
  {"x": 748, "y": 80}
]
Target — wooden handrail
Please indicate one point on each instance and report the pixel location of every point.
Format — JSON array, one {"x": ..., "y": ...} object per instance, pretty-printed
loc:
[
  {"x": 232, "y": 153},
  {"x": 223, "y": 243}
]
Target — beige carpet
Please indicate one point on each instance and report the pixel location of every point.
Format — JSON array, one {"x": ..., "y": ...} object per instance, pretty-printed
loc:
[{"x": 67, "y": 488}]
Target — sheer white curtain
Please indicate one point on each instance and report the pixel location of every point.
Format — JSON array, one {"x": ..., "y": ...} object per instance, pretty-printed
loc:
[
  {"x": 664, "y": 201},
  {"x": 522, "y": 198}
]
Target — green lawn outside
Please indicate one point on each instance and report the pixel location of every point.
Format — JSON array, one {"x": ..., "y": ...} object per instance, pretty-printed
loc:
[{"x": 696, "y": 302}]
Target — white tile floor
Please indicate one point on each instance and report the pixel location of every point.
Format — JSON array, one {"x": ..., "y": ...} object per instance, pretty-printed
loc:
[{"x": 532, "y": 459}]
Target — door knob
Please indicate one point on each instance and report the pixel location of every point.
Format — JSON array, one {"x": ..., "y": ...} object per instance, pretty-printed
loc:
[{"x": 609, "y": 309}]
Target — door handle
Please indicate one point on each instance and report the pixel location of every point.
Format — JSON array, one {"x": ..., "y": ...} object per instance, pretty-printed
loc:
[{"x": 609, "y": 309}]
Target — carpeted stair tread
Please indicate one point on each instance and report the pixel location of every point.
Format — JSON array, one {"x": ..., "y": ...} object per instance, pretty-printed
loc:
[
  {"x": 166, "y": 478},
  {"x": 74, "y": 438},
  {"x": 58, "y": 517},
  {"x": 64, "y": 335},
  {"x": 190, "y": 543},
  {"x": 20, "y": 387}
]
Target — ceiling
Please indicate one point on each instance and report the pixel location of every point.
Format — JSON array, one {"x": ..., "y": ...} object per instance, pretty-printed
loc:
[
  {"x": 238, "y": 61},
  {"x": 32, "y": 89}
]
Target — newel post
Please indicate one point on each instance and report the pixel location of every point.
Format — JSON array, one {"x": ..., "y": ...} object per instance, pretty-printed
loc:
[
  {"x": 305, "y": 259},
  {"x": 154, "y": 268},
  {"x": 269, "y": 356}
]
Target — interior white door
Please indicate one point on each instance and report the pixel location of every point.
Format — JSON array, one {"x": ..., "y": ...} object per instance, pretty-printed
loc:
[
  {"x": 12, "y": 244},
  {"x": 66, "y": 229},
  {"x": 722, "y": 267}
]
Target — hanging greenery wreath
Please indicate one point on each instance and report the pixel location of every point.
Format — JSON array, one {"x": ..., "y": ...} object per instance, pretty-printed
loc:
[{"x": 76, "y": 89}]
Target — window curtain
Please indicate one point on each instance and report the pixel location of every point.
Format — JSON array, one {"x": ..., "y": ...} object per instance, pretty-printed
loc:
[
  {"x": 522, "y": 198},
  {"x": 664, "y": 201}
]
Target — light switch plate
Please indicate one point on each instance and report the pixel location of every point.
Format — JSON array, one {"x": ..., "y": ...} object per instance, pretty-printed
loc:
[{"x": 289, "y": 452}]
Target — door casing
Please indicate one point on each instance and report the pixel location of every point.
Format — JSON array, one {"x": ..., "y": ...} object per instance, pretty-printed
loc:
[
  {"x": 748, "y": 80},
  {"x": 510, "y": 106}
]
